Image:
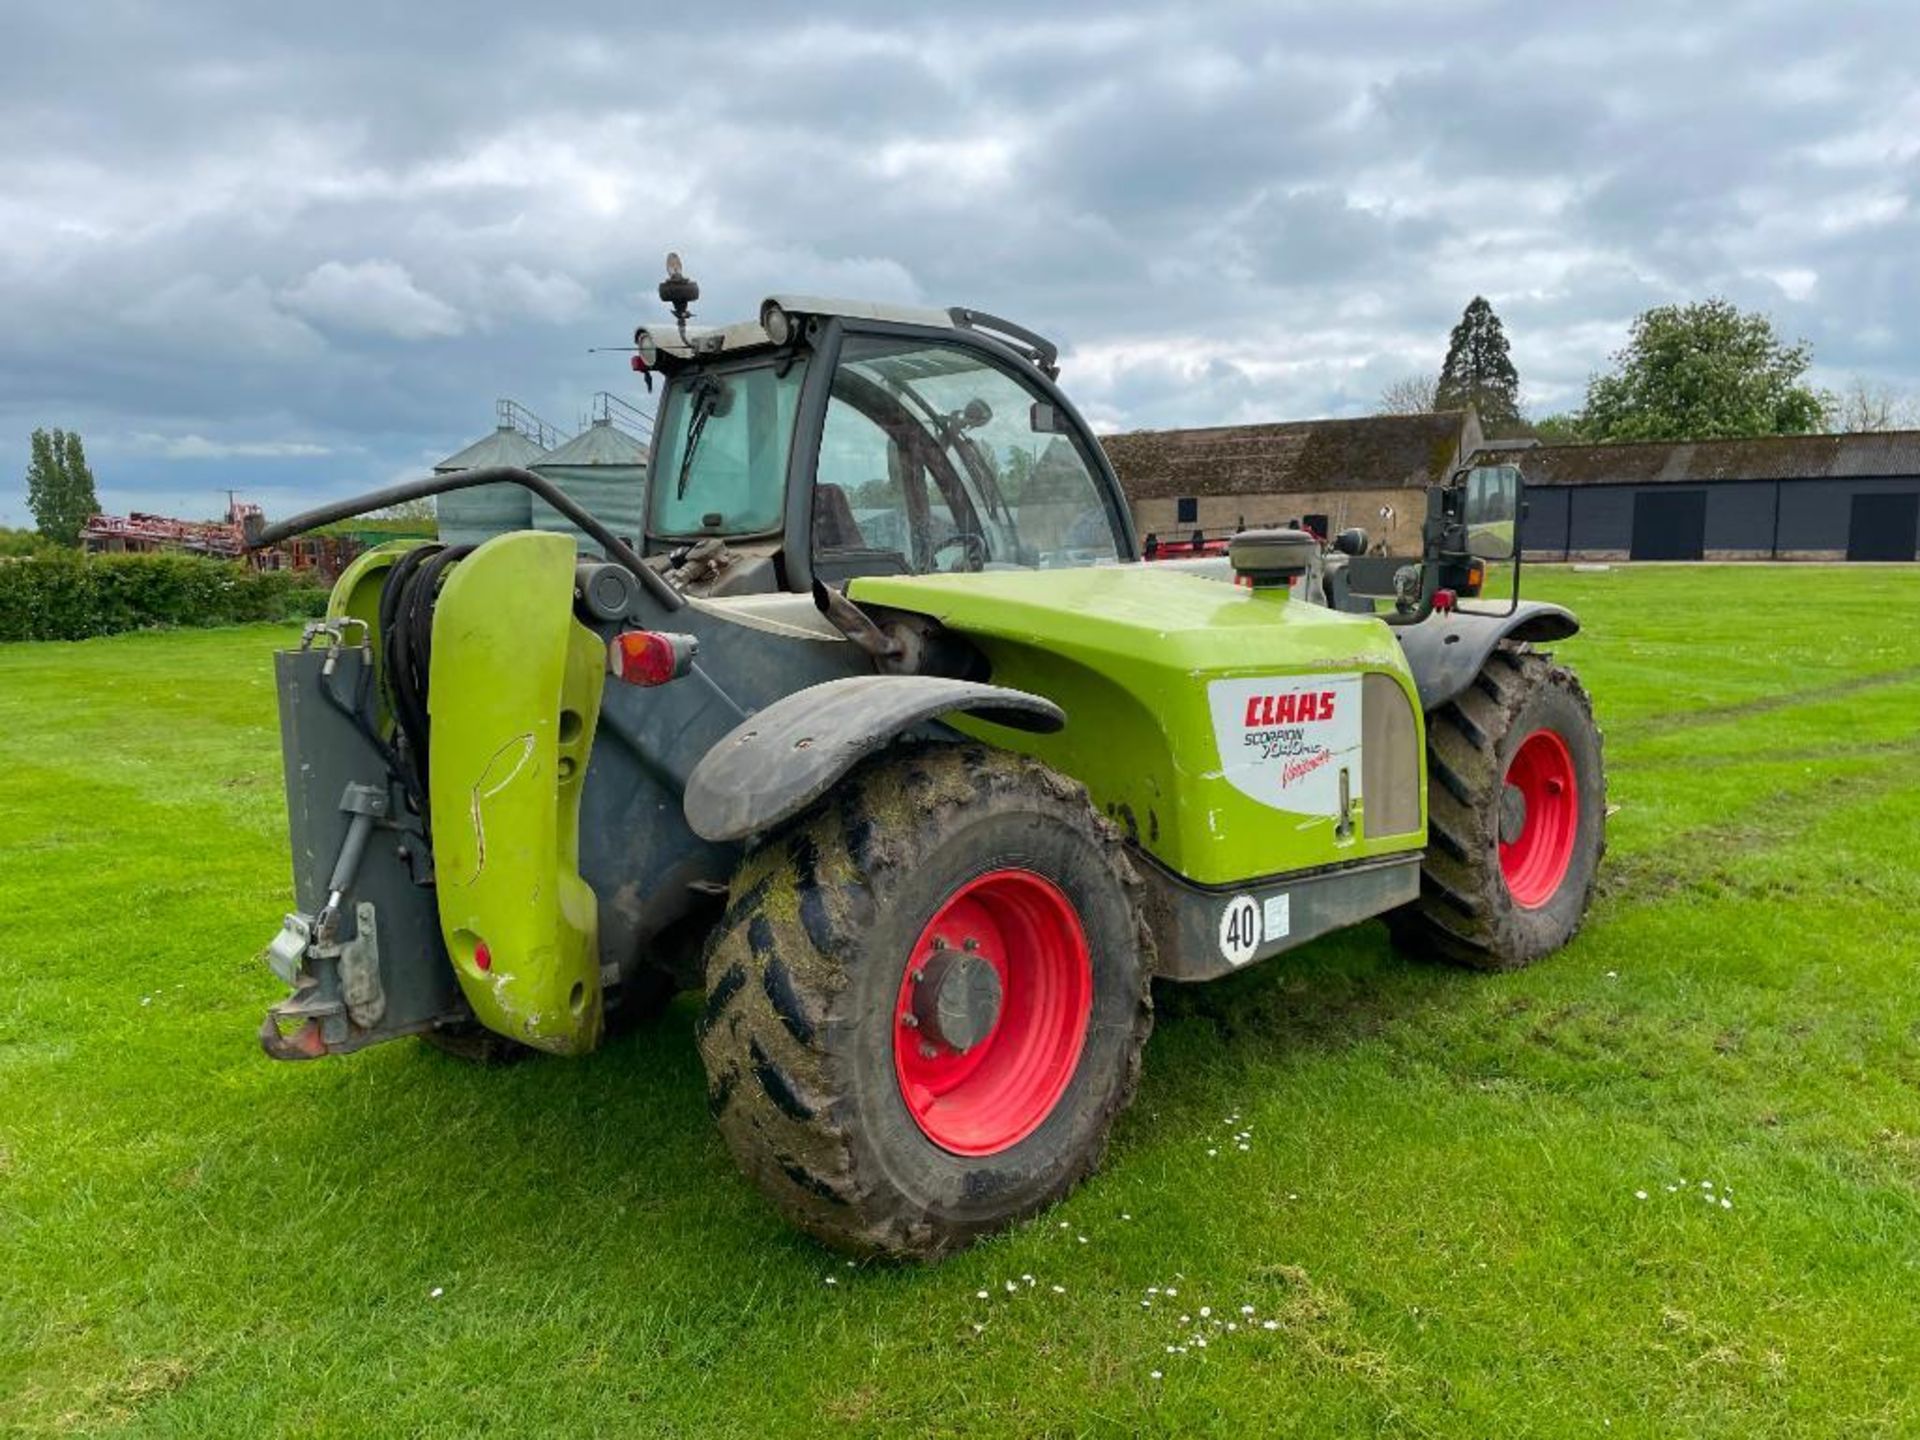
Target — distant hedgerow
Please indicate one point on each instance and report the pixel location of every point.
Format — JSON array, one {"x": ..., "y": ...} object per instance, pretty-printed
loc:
[{"x": 71, "y": 596}]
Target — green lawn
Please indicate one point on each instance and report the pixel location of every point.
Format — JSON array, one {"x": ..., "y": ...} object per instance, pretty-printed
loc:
[{"x": 1436, "y": 1222}]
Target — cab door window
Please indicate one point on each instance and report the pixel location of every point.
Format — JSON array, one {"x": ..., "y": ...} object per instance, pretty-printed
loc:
[{"x": 936, "y": 458}]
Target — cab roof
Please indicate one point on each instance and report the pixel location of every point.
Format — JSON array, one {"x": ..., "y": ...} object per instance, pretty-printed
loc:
[{"x": 748, "y": 335}]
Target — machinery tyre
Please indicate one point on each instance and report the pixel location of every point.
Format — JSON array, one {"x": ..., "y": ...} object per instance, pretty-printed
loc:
[
  {"x": 1516, "y": 817},
  {"x": 927, "y": 1001}
]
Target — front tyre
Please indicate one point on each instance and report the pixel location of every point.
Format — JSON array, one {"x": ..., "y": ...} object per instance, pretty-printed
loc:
[
  {"x": 927, "y": 1002},
  {"x": 1516, "y": 817}
]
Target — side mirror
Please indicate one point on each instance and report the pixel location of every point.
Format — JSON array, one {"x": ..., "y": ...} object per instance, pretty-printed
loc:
[{"x": 1491, "y": 511}]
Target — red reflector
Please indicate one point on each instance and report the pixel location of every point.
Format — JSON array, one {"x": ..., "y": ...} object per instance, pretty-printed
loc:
[
  {"x": 482, "y": 957},
  {"x": 646, "y": 657},
  {"x": 1443, "y": 600},
  {"x": 637, "y": 363}
]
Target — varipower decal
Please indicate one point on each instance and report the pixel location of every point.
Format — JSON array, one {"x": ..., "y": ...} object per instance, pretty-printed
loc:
[{"x": 1284, "y": 739}]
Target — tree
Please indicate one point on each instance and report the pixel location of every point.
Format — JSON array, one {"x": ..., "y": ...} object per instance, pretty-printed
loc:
[
  {"x": 1479, "y": 372},
  {"x": 1871, "y": 405},
  {"x": 1559, "y": 430},
  {"x": 1409, "y": 395},
  {"x": 423, "y": 508},
  {"x": 1707, "y": 371},
  {"x": 60, "y": 486}
]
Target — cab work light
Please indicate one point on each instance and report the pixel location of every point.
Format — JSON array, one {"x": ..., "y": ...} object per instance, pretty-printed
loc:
[{"x": 649, "y": 657}]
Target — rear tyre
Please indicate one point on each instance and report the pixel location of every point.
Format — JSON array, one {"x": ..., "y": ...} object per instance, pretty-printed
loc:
[
  {"x": 927, "y": 1002},
  {"x": 1516, "y": 817}
]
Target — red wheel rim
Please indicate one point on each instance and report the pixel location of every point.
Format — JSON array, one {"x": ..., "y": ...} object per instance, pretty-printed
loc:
[
  {"x": 1535, "y": 860},
  {"x": 996, "y": 1091}
]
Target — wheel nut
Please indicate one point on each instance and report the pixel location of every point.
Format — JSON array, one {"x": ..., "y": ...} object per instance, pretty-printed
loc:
[
  {"x": 910, "y": 1020},
  {"x": 970, "y": 944},
  {"x": 927, "y": 1052}
]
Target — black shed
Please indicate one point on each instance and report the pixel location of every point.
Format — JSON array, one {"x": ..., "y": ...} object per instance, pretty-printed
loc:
[{"x": 1786, "y": 497}]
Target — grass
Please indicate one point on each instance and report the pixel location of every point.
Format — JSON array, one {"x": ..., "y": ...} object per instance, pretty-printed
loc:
[{"x": 1437, "y": 1210}]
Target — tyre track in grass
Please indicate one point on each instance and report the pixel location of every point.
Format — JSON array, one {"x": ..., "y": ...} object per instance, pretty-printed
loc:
[
  {"x": 1711, "y": 855},
  {"x": 1664, "y": 724}
]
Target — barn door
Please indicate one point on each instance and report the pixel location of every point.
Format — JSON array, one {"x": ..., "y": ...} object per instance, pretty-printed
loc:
[
  {"x": 1884, "y": 527},
  {"x": 1669, "y": 525}
]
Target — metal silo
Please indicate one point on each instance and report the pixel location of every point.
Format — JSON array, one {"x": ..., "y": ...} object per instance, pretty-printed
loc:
[
  {"x": 604, "y": 469},
  {"x": 467, "y": 517}
]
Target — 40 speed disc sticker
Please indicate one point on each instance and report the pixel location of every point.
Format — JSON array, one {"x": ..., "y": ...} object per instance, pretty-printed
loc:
[
  {"x": 1284, "y": 739},
  {"x": 1246, "y": 924},
  {"x": 1240, "y": 930}
]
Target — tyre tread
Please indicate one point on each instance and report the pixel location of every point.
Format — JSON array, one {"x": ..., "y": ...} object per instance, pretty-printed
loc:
[{"x": 806, "y": 894}]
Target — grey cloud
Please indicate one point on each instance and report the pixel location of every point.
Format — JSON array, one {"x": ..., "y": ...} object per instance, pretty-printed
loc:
[
  {"x": 1317, "y": 236},
  {"x": 374, "y": 296},
  {"x": 232, "y": 235}
]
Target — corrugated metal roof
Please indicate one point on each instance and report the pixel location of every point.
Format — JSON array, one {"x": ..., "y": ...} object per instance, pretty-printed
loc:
[
  {"x": 1305, "y": 456},
  {"x": 1773, "y": 457},
  {"x": 601, "y": 443},
  {"x": 505, "y": 446}
]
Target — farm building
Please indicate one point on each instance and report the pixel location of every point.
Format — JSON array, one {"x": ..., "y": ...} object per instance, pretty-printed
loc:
[
  {"x": 1327, "y": 474},
  {"x": 469, "y": 516},
  {"x": 1786, "y": 497},
  {"x": 604, "y": 469}
]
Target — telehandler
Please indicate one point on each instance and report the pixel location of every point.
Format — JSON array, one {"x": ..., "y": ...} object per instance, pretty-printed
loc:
[{"x": 882, "y": 734}]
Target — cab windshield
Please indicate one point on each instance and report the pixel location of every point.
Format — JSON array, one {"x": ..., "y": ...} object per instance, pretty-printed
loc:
[{"x": 720, "y": 460}]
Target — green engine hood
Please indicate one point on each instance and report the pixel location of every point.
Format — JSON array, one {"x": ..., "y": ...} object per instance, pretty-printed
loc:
[{"x": 1233, "y": 733}]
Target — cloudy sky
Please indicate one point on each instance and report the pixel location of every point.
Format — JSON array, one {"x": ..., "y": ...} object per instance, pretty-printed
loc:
[{"x": 299, "y": 249}]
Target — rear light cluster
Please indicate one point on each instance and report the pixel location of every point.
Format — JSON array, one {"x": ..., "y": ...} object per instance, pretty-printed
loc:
[{"x": 650, "y": 657}]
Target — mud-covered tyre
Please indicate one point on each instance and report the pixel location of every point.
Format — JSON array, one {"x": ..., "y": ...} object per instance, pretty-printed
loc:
[
  {"x": 927, "y": 1002},
  {"x": 642, "y": 997},
  {"x": 1517, "y": 806}
]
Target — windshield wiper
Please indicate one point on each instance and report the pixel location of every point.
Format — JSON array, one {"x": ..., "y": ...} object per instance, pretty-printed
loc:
[{"x": 705, "y": 399}]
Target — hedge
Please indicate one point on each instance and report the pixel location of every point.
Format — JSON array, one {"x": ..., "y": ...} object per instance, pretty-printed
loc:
[{"x": 70, "y": 596}]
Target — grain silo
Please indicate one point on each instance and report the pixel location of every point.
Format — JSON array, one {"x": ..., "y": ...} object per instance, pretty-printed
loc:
[
  {"x": 604, "y": 470},
  {"x": 467, "y": 517}
]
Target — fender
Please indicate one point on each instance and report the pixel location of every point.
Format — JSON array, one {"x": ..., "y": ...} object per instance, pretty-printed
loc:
[
  {"x": 1447, "y": 649},
  {"x": 514, "y": 694},
  {"x": 780, "y": 760}
]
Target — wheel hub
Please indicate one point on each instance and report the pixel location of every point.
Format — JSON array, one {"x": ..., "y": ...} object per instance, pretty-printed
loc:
[
  {"x": 957, "y": 998},
  {"x": 987, "y": 1033},
  {"x": 1539, "y": 819}
]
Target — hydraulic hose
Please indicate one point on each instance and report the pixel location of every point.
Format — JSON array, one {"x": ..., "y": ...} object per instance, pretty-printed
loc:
[{"x": 616, "y": 548}]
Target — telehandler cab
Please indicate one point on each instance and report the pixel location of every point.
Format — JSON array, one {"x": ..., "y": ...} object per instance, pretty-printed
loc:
[{"x": 882, "y": 734}]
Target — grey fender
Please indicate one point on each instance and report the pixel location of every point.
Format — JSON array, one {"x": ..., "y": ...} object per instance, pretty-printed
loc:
[
  {"x": 1447, "y": 649},
  {"x": 781, "y": 759}
]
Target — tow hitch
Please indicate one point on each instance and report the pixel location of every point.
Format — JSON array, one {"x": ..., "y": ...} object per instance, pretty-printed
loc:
[{"x": 333, "y": 983}]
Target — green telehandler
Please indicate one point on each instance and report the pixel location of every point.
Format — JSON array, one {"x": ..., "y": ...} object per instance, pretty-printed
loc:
[{"x": 882, "y": 735}]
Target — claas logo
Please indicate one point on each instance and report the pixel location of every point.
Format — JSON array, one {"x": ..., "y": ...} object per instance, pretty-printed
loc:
[{"x": 1296, "y": 707}]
